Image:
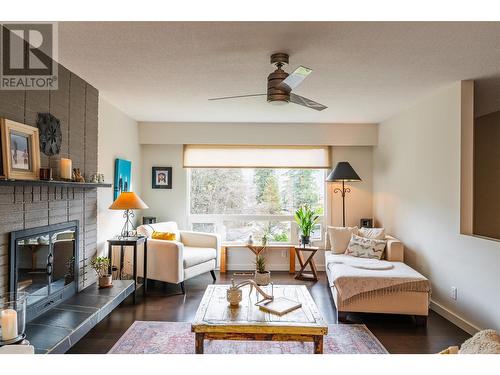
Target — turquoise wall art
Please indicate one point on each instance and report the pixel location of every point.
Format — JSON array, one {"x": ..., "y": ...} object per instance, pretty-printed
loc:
[{"x": 123, "y": 171}]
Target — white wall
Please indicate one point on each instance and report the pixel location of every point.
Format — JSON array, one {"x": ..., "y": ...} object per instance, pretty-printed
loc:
[
  {"x": 118, "y": 138},
  {"x": 417, "y": 198},
  {"x": 173, "y": 205}
]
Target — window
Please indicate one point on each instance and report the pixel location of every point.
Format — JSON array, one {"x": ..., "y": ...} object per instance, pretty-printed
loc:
[{"x": 239, "y": 202}]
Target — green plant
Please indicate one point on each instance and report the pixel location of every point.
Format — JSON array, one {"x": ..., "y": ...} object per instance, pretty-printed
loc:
[
  {"x": 100, "y": 265},
  {"x": 280, "y": 237},
  {"x": 306, "y": 218},
  {"x": 260, "y": 264}
]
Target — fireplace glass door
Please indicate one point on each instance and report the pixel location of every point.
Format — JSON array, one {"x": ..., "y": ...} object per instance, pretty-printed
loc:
[
  {"x": 32, "y": 256},
  {"x": 45, "y": 263}
]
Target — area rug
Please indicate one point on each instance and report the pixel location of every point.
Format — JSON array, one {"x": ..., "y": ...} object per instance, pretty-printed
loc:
[{"x": 177, "y": 338}]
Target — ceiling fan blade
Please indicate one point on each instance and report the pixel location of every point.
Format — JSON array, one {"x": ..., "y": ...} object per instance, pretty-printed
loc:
[
  {"x": 297, "y": 99},
  {"x": 237, "y": 96},
  {"x": 295, "y": 78}
]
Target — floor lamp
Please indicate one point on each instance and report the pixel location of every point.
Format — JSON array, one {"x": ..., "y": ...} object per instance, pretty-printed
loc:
[{"x": 343, "y": 172}]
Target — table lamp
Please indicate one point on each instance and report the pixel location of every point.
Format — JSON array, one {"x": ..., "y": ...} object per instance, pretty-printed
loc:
[
  {"x": 128, "y": 201},
  {"x": 343, "y": 172}
]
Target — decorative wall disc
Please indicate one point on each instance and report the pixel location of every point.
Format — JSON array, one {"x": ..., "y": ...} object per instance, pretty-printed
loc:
[{"x": 50, "y": 134}]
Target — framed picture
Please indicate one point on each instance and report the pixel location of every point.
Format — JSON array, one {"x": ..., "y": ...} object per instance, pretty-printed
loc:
[
  {"x": 123, "y": 171},
  {"x": 20, "y": 150},
  {"x": 162, "y": 178}
]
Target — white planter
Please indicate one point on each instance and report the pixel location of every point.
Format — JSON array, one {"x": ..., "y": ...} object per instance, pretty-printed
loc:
[{"x": 262, "y": 278}]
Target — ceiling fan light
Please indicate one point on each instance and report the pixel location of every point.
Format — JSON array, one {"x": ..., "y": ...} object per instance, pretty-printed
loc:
[{"x": 278, "y": 102}]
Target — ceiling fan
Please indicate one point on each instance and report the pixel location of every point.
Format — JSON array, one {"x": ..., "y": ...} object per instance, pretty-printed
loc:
[{"x": 280, "y": 85}]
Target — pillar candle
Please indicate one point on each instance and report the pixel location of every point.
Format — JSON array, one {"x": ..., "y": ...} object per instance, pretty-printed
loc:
[
  {"x": 9, "y": 324},
  {"x": 66, "y": 169}
]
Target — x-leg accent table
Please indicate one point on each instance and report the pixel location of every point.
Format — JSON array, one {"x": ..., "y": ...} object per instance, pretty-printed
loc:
[{"x": 304, "y": 262}]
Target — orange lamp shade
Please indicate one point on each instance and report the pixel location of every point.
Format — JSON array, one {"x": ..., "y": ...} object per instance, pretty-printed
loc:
[{"x": 128, "y": 200}]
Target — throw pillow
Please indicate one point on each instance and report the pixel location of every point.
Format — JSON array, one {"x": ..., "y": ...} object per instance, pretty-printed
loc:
[
  {"x": 166, "y": 236},
  {"x": 339, "y": 238},
  {"x": 375, "y": 233},
  {"x": 365, "y": 247}
]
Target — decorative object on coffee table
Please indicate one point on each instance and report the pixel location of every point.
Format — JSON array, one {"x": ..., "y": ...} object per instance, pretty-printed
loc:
[
  {"x": 161, "y": 178},
  {"x": 101, "y": 267},
  {"x": 128, "y": 201},
  {"x": 306, "y": 219},
  {"x": 304, "y": 324},
  {"x": 234, "y": 294},
  {"x": 343, "y": 172},
  {"x": 50, "y": 134},
  {"x": 262, "y": 276},
  {"x": 20, "y": 150},
  {"x": 304, "y": 262}
]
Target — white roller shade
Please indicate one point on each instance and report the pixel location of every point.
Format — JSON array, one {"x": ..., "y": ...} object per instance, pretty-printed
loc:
[{"x": 215, "y": 156}]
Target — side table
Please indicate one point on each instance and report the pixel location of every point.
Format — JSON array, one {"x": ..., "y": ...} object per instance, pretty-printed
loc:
[
  {"x": 134, "y": 242},
  {"x": 304, "y": 262}
]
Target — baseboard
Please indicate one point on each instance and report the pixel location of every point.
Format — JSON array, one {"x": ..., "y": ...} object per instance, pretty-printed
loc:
[{"x": 455, "y": 319}]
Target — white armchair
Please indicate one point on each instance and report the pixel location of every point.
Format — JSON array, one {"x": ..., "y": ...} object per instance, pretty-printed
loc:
[{"x": 191, "y": 254}]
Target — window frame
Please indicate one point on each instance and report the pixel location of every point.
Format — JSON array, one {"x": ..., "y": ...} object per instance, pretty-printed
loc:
[{"x": 218, "y": 219}]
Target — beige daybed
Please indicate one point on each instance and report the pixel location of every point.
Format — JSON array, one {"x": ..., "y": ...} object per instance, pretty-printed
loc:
[{"x": 387, "y": 286}]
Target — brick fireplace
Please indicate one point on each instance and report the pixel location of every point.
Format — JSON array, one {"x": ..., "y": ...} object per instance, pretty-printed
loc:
[{"x": 29, "y": 205}]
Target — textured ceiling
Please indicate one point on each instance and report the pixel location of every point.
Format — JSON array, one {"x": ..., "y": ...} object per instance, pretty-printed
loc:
[{"x": 363, "y": 72}]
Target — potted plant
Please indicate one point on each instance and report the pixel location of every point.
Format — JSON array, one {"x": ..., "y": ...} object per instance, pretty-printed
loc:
[
  {"x": 101, "y": 265},
  {"x": 262, "y": 277},
  {"x": 306, "y": 218}
]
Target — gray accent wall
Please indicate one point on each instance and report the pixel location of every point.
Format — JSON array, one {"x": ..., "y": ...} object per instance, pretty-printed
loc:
[{"x": 75, "y": 104}]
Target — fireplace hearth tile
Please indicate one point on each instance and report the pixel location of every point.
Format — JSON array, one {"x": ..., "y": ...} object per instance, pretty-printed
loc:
[
  {"x": 61, "y": 327},
  {"x": 61, "y": 317}
]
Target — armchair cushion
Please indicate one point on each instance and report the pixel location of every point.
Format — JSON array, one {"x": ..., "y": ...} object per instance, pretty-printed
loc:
[
  {"x": 197, "y": 255},
  {"x": 168, "y": 236},
  {"x": 167, "y": 226}
]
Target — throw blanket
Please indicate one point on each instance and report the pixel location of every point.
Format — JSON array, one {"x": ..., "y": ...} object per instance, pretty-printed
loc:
[{"x": 353, "y": 277}]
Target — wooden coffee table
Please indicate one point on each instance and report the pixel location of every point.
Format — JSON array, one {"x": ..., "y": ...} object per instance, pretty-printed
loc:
[{"x": 215, "y": 320}]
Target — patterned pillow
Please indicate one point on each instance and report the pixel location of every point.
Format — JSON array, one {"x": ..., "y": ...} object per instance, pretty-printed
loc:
[{"x": 365, "y": 247}]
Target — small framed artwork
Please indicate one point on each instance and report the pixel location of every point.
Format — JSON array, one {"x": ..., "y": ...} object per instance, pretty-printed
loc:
[
  {"x": 162, "y": 178},
  {"x": 20, "y": 150}
]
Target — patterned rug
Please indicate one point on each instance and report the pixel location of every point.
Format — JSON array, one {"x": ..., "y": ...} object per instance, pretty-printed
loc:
[{"x": 176, "y": 338}]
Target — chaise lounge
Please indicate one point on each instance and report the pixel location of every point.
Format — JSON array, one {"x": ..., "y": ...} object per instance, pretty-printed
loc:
[{"x": 377, "y": 286}]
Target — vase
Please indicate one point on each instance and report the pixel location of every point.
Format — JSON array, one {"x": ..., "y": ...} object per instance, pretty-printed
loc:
[
  {"x": 304, "y": 240},
  {"x": 234, "y": 296},
  {"x": 262, "y": 278},
  {"x": 105, "y": 281}
]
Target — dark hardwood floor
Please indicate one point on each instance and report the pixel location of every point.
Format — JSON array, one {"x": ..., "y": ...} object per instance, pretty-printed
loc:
[{"x": 398, "y": 334}]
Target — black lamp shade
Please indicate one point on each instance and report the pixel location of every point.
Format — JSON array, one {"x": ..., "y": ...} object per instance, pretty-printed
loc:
[{"x": 343, "y": 172}]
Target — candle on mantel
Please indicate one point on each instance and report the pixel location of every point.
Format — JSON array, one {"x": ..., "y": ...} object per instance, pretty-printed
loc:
[
  {"x": 8, "y": 322},
  {"x": 66, "y": 169}
]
